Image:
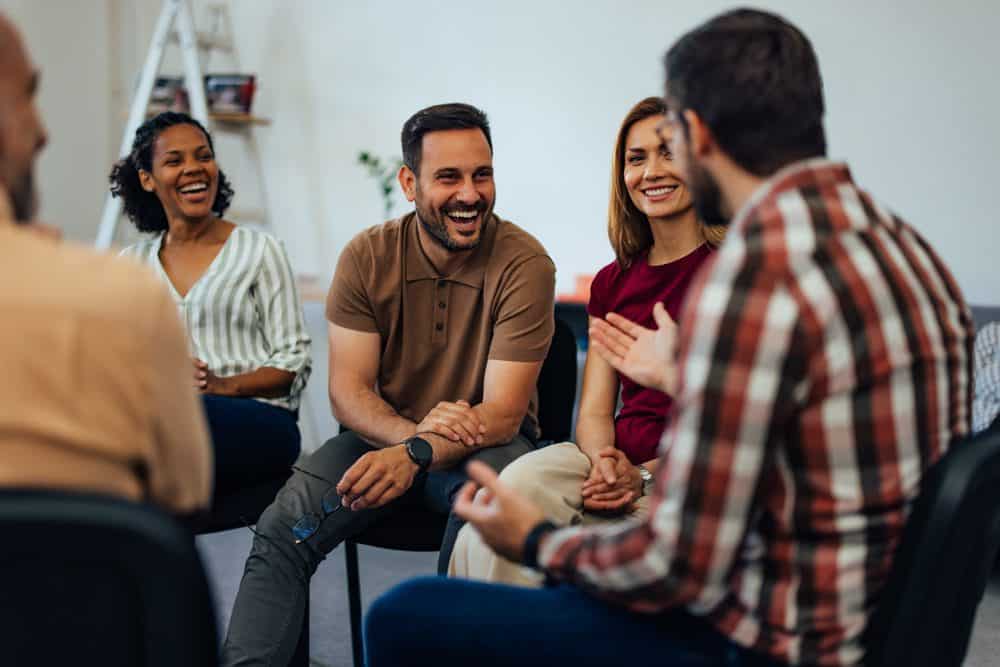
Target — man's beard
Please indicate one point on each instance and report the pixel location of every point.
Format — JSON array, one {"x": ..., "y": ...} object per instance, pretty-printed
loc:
[
  {"x": 23, "y": 199},
  {"x": 706, "y": 194},
  {"x": 434, "y": 224}
]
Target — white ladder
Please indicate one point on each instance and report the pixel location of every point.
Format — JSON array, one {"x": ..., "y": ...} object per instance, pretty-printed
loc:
[
  {"x": 173, "y": 11},
  {"x": 176, "y": 19}
]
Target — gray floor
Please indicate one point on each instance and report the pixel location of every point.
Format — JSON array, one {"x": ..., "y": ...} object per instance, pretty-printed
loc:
[{"x": 224, "y": 554}]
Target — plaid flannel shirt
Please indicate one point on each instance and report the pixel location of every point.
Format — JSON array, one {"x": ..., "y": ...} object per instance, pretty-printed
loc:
[{"x": 825, "y": 362}]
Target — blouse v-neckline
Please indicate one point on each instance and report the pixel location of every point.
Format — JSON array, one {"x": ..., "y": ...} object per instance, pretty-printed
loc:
[{"x": 208, "y": 269}]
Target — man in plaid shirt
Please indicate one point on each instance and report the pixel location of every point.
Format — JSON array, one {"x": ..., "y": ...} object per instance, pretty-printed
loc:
[{"x": 821, "y": 366}]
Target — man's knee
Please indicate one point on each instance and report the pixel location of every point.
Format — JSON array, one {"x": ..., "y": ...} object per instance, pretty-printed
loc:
[
  {"x": 291, "y": 502},
  {"x": 501, "y": 456},
  {"x": 275, "y": 532}
]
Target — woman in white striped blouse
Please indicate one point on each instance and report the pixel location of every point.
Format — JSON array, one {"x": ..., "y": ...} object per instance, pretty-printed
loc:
[{"x": 235, "y": 292}]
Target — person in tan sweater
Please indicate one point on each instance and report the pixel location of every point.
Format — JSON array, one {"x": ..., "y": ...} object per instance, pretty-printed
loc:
[{"x": 96, "y": 393}]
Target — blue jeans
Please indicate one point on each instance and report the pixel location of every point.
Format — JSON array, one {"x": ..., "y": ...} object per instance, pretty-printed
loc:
[
  {"x": 437, "y": 621},
  {"x": 270, "y": 604},
  {"x": 252, "y": 441}
]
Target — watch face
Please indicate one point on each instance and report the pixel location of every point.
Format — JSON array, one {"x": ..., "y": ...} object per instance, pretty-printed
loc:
[{"x": 420, "y": 451}]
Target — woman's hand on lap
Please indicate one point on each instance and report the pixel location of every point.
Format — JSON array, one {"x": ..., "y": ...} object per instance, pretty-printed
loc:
[
  {"x": 208, "y": 382},
  {"x": 616, "y": 497}
]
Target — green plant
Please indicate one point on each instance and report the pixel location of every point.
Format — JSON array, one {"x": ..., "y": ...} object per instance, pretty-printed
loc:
[{"x": 384, "y": 172}]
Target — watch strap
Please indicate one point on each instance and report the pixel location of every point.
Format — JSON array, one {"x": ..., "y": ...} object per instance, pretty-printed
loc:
[{"x": 529, "y": 554}]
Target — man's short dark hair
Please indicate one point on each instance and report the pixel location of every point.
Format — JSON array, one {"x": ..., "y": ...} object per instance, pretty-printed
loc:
[
  {"x": 753, "y": 78},
  {"x": 454, "y": 116}
]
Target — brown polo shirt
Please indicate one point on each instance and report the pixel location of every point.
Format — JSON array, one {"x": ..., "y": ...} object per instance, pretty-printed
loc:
[{"x": 439, "y": 331}]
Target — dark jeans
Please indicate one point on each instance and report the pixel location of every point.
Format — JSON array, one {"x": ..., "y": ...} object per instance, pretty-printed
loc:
[
  {"x": 252, "y": 441},
  {"x": 437, "y": 621},
  {"x": 270, "y": 604}
]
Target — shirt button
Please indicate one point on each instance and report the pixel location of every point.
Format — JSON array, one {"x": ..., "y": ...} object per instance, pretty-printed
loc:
[
  {"x": 442, "y": 304},
  {"x": 439, "y": 326}
]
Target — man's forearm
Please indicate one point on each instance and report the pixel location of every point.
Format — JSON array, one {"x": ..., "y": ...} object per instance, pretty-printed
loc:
[
  {"x": 367, "y": 414},
  {"x": 501, "y": 423},
  {"x": 500, "y": 429},
  {"x": 447, "y": 452}
]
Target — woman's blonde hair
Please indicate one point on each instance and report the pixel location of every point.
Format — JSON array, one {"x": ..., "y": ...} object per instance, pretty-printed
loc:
[{"x": 628, "y": 227}]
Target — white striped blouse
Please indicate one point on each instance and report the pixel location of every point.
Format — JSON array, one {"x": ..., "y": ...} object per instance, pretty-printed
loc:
[{"x": 243, "y": 313}]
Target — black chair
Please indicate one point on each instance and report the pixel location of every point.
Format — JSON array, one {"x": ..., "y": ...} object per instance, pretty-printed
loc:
[
  {"x": 413, "y": 529},
  {"x": 948, "y": 549},
  {"x": 238, "y": 509},
  {"x": 90, "y": 580}
]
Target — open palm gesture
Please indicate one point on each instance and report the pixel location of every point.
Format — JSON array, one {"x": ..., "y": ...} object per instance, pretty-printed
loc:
[{"x": 644, "y": 355}]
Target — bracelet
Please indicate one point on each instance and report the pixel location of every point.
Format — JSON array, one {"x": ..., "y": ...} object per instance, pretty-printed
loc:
[
  {"x": 645, "y": 477},
  {"x": 529, "y": 554}
]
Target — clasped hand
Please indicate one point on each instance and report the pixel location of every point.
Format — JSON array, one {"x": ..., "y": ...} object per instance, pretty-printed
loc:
[
  {"x": 614, "y": 483},
  {"x": 456, "y": 421},
  {"x": 381, "y": 476}
]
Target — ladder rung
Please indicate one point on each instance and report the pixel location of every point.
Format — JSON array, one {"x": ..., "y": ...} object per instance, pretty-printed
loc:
[{"x": 207, "y": 41}]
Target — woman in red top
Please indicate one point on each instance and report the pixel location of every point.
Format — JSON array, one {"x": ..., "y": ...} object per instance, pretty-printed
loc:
[{"x": 659, "y": 245}]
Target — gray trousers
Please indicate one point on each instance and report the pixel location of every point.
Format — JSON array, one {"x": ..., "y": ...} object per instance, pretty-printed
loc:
[{"x": 270, "y": 604}]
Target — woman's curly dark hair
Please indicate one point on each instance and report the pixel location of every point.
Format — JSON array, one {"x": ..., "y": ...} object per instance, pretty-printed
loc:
[{"x": 144, "y": 208}]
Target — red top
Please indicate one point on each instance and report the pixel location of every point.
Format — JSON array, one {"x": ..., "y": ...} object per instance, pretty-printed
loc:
[{"x": 632, "y": 293}]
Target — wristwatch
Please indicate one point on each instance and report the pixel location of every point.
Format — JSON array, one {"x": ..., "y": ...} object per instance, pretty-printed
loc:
[
  {"x": 529, "y": 553},
  {"x": 420, "y": 452},
  {"x": 645, "y": 476}
]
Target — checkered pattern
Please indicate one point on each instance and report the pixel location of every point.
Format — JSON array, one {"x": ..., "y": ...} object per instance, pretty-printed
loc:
[
  {"x": 986, "y": 405},
  {"x": 825, "y": 359}
]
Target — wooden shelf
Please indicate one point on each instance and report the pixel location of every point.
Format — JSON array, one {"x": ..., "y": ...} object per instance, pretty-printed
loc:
[
  {"x": 238, "y": 118},
  {"x": 229, "y": 118}
]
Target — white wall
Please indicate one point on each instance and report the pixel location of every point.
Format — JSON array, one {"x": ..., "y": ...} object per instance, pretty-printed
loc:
[
  {"x": 69, "y": 42},
  {"x": 911, "y": 91}
]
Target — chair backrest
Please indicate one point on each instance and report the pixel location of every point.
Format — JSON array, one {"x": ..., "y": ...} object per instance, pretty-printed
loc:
[
  {"x": 96, "y": 581},
  {"x": 557, "y": 386},
  {"x": 238, "y": 508},
  {"x": 940, "y": 572}
]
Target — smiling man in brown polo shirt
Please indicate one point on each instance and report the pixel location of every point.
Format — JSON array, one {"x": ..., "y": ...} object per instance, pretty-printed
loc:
[{"x": 439, "y": 323}]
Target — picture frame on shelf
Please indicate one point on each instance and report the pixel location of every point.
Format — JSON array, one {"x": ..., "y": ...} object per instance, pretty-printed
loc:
[
  {"x": 230, "y": 93},
  {"x": 168, "y": 94}
]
